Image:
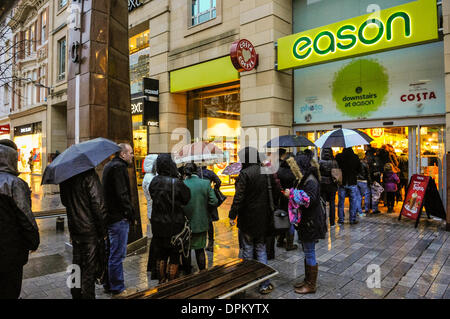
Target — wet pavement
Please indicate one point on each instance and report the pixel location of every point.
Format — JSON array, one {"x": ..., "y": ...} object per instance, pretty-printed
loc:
[{"x": 413, "y": 262}]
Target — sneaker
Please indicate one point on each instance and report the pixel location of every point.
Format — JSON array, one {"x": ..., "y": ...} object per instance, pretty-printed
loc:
[
  {"x": 266, "y": 290},
  {"x": 362, "y": 215},
  {"x": 123, "y": 293}
]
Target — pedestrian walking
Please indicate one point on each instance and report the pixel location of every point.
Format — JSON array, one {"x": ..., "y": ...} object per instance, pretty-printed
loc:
[
  {"x": 328, "y": 186},
  {"x": 197, "y": 211},
  {"x": 390, "y": 181},
  {"x": 403, "y": 174},
  {"x": 150, "y": 173},
  {"x": 169, "y": 195},
  {"x": 375, "y": 170},
  {"x": 120, "y": 214},
  {"x": 251, "y": 206},
  {"x": 208, "y": 174},
  {"x": 312, "y": 225},
  {"x": 363, "y": 181},
  {"x": 287, "y": 181},
  {"x": 19, "y": 233},
  {"x": 349, "y": 164},
  {"x": 82, "y": 195}
]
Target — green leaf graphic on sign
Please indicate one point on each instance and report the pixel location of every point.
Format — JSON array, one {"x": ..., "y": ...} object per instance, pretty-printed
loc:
[{"x": 360, "y": 87}]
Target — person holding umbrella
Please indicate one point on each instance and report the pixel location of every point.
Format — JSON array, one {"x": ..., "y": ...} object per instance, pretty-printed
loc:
[{"x": 82, "y": 194}]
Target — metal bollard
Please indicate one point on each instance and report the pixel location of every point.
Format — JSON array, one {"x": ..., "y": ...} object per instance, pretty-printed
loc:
[{"x": 60, "y": 224}]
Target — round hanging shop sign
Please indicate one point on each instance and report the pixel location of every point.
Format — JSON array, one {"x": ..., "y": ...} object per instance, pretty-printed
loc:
[{"x": 243, "y": 55}]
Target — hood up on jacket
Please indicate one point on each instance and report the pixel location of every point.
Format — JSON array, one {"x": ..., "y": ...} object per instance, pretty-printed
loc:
[
  {"x": 165, "y": 166},
  {"x": 149, "y": 163},
  {"x": 327, "y": 154},
  {"x": 8, "y": 160},
  {"x": 249, "y": 156}
]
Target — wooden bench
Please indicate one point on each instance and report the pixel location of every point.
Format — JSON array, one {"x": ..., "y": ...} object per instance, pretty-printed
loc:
[{"x": 222, "y": 281}]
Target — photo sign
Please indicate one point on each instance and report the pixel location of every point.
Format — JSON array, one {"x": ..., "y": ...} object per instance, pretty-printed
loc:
[{"x": 422, "y": 192}]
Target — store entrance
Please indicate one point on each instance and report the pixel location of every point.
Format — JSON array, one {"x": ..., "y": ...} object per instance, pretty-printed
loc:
[{"x": 422, "y": 147}]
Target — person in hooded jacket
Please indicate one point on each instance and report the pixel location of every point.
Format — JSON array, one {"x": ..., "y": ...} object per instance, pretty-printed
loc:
[
  {"x": 312, "y": 226},
  {"x": 328, "y": 186},
  {"x": 197, "y": 211},
  {"x": 251, "y": 206},
  {"x": 150, "y": 173},
  {"x": 364, "y": 182},
  {"x": 19, "y": 233},
  {"x": 287, "y": 181},
  {"x": 168, "y": 216},
  {"x": 82, "y": 195}
]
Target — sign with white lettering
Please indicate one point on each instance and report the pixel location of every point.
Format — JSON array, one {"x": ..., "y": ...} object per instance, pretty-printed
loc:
[
  {"x": 133, "y": 4},
  {"x": 243, "y": 55}
]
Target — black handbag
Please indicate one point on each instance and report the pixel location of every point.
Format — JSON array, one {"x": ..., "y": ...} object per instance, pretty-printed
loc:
[
  {"x": 182, "y": 240},
  {"x": 281, "y": 222},
  {"x": 220, "y": 196}
]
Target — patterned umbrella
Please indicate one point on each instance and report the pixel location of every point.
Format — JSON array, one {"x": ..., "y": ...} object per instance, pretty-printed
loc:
[
  {"x": 343, "y": 138},
  {"x": 232, "y": 169},
  {"x": 199, "y": 152}
]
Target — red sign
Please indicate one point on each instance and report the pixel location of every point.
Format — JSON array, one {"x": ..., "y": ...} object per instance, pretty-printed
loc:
[
  {"x": 4, "y": 129},
  {"x": 415, "y": 196},
  {"x": 377, "y": 132},
  {"x": 243, "y": 55}
]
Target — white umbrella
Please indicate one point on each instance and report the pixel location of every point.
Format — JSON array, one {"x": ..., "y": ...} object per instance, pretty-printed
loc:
[{"x": 343, "y": 137}]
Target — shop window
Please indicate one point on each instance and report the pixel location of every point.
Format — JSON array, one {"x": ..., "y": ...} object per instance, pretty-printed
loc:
[
  {"x": 202, "y": 11},
  {"x": 62, "y": 59},
  {"x": 139, "y": 41}
]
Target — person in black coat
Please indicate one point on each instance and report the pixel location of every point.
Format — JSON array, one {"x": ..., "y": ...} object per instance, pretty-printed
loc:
[
  {"x": 251, "y": 206},
  {"x": 82, "y": 195},
  {"x": 312, "y": 226},
  {"x": 206, "y": 173},
  {"x": 120, "y": 214},
  {"x": 328, "y": 186},
  {"x": 19, "y": 233},
  {"x": 168, "y": 216}
]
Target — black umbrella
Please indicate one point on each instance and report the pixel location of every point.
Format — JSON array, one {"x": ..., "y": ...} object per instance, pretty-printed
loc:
[
  {"x": 77, "y": 159},
  {"x": 289, "y": 141}
]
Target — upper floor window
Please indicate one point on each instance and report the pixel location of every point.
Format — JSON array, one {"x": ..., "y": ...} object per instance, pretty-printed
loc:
[
  {"x": 62, "y": 3},
  {"x": 43, "y": 26},
  {"x": 32, "y": 39},
  {"x": 203, "y": 10},
  {"x": 62, "y": 59},
  {"x": 27, "y": 42}
]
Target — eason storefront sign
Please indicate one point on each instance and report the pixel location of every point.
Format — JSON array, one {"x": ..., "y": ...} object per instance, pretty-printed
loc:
[{"x": 405, "y": 25}]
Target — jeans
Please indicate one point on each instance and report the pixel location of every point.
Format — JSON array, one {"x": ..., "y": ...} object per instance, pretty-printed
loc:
[
  {"x": 352, "y": 190},
  {"x": 364, "y": 191},
  {"x": 118, "y": 238},
  {"x": 251, "y": 245},
  {"x": 309, "y": 249}
]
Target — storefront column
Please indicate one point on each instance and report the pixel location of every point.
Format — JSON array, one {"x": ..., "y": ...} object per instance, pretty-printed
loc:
[
  {"x": 172, "y": 107},
  {"x": 446, "y": 17},
  {"x": 266, "y": 94}
]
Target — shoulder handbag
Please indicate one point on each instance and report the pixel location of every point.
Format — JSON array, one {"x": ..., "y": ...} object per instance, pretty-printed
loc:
[
  {"x": 220, "y": 196},
  {"x": 336, "y": 175},
  {"x": 182, "y": 240},
  {"x": 281, "y": 221}
]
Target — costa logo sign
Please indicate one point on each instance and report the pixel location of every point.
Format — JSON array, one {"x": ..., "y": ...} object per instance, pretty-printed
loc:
[
  {"x": 405, "y": 25},
  {"x": 243, "y": 55},
  {"x": 418, "y": 97}
]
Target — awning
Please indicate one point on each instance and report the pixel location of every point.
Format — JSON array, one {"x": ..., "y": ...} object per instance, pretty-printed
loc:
[{"x": 204, "y": 74}]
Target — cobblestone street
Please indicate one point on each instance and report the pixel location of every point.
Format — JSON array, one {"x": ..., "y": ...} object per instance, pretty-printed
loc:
[{"x": 414, "y": 263}]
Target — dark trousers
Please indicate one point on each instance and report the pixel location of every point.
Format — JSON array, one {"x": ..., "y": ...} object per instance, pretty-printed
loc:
[
  {"x": 270, "y": 247},
  {"x": 390, "y": 199},
  {"x": 11, "y": 283},
  {"x": 85, "y": 255},
  {"x": 330, "y": 197},
  {"x": 210, "y": 232}
]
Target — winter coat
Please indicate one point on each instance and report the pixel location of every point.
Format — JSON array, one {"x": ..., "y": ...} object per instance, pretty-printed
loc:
[
  {"x": 19, "y": 232},
  {"x": 403, "y": 166},
  {"x": 117, "y": 191},
  {"x": 348, "y": 161},
  {"x": 365, "y": 174},
  {"x": 205, "y": 173},
  {"x": 251, "y": 200},
  {"x": 82, "y": 195},
  {"x": 312, "y": 225},
  {"x": 149, "y": 163},
  {"x": 287, "y": 180},
  {"x": 390, "y": 180},
  {"x": 202, "y": 196},
  {"x": 326, "y": 164},
  {"x": 166, "y": 223}
]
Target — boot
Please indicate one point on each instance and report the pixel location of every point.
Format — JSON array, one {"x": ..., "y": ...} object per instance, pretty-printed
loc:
[
  {"x": 302, "y": 283},
  {"x": 310, "y": 281},
  {"x": 173, "y": 271},
  {"x": 161, "y": 271},
  {"x": 290, "y": 242}
]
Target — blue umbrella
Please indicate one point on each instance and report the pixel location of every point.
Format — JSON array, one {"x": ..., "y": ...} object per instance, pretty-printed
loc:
[
  {"x": 77, "y": 159},
  {"x": 289, "y": 141}
]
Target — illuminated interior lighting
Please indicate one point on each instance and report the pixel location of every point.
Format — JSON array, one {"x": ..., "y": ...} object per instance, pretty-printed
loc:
[{"x": 229, "y": 112}]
